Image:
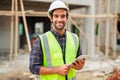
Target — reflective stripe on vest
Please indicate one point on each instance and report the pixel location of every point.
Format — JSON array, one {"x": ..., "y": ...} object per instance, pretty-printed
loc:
[
  {"x": 53, "y": 57},
  {"x": 46, "y": 47},
  {"x": 76, "y": 41}
]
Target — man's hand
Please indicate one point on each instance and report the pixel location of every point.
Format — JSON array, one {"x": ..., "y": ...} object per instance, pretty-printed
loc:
[
  {"x": 63, "y": 70},
  {"x": 78, "y": 64}
]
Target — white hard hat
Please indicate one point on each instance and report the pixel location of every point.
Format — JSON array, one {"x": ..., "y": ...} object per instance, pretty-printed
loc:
[{"x": 56, "y": 5}]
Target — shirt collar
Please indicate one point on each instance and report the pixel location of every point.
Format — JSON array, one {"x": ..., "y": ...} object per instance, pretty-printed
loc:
[{"x": 57, "y": 34}]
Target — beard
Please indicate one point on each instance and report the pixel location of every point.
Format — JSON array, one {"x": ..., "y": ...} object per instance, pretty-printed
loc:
[{"x": 59, "y": 26}]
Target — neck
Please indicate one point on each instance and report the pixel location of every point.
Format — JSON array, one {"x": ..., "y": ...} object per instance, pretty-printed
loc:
[{"x": 61, "y": 32}]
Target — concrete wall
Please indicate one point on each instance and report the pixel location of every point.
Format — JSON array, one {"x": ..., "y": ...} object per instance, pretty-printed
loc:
[{"x": 4, "y": 32}]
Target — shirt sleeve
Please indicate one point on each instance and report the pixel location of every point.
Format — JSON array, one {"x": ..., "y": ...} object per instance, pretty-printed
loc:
[
  {"x": 79, "y": 52},
  {"x": 36, "y": 57}
]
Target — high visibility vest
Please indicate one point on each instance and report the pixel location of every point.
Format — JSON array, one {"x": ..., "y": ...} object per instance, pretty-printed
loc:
[{"x": 52, "y": 54}]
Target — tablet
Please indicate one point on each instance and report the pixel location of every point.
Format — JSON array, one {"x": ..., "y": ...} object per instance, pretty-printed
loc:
[{"x": 80, "y": 57}]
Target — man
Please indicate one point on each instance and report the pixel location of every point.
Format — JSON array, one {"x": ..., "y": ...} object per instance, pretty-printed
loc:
[{"x": 56, "y": 49}]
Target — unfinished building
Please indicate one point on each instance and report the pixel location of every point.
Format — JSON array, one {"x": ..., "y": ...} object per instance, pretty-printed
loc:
[{"x": 21, "y": 20}]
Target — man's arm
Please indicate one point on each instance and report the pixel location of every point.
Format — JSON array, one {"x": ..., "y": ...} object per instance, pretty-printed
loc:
[
  {"x": 36, "y": 57},
  {"x": 61, "y": 70}
]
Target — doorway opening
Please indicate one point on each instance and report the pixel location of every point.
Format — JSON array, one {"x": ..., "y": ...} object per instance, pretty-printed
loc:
[{"x": 36, "y": 26}]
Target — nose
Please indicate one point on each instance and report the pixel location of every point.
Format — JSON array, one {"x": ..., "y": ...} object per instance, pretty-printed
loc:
[{"x": 59, "y": 18}]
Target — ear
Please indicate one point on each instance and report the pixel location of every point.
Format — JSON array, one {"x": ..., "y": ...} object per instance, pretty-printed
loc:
[
  {"x": 51, "y": 19},
  {"x": 67, "y": 17}
]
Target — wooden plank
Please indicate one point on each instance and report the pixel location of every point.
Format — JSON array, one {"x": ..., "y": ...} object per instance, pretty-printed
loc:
[
  {"x": 98, "y": 23},
  {"x": 107, "y": 30},
  {"x": 73, "y": 15},
  {"x": 115, "y": 27},
  {"x": 6, "y": 13},
  {"x": 91, "y": 16},
  {"x": 16, "y": 28},
  {"x": 11, "y": 32},
  {"x": 25, "y": 25},
  {"x": 31, "y": 13},
  {"x": 78, "y": 27}
]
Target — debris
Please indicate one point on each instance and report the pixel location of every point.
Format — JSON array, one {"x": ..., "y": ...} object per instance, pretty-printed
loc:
[{"x": 114, "y": 76}]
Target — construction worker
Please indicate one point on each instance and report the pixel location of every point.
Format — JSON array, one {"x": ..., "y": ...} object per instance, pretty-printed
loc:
[{"x": 54, "y": 50}]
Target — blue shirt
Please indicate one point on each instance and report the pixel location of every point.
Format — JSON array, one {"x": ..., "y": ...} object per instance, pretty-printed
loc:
[{"x": 36, "y": 55}]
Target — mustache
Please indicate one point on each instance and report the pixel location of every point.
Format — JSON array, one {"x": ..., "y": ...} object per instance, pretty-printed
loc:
[{"x": 60, "y": 21}]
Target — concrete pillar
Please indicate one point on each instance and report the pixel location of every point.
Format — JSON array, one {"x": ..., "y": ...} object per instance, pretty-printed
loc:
[{"x": 90, "y": 30}]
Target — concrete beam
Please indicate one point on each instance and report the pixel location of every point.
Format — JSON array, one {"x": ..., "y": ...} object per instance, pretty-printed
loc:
[{"x": 72, "y": 2}]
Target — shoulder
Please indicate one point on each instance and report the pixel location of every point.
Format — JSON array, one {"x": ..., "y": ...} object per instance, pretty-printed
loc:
[
  {"x": 41, "y": 35},
  {"x": 37, "y": 41},
  {"x": 73, "y": 34}
]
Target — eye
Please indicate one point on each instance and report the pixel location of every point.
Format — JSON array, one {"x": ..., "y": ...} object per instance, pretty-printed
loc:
[
  {"x": 63, "y": 16},
  {"x": 55, "y": 16}
]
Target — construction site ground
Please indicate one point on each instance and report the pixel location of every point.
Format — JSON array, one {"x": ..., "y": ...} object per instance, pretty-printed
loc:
[{"x": 97, "y": 68}]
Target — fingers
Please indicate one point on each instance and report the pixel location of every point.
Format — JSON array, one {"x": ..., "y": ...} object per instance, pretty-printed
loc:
[
  {"x": 63, "y": 70},
  {"x": 67, "y": 68},
  {"x": 82, "y": 61},
  {"x": 78, "y": 64}
]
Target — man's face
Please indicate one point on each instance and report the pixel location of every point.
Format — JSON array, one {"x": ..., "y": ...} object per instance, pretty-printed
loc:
[{"x": 59, "y": 19}]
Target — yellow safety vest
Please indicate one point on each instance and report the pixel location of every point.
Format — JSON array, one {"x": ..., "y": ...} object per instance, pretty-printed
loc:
[{"x": 52, "y": 54}]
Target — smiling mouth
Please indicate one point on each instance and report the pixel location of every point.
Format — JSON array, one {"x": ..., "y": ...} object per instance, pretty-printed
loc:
[{"x": 60, "y": 25}]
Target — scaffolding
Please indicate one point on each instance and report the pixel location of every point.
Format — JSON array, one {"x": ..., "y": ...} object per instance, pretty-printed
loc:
[{"x": 14, "y": 13}]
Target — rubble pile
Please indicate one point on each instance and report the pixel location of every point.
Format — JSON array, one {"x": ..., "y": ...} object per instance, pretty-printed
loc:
[{"x": 114, "y": 76}]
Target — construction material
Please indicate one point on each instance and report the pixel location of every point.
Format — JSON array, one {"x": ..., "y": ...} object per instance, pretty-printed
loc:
[
  {"x": 107, "y": 29},
  {"x": 98, "y": 25},
  {"x": 115, "y": 27},
  {"x": 25, "y": 25},
  {"x": 16, "y": 28},
  {"x": 115, "y": 75},
  {"x": 11, "y": 32},
  {"x": 78, "y": 27}
]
